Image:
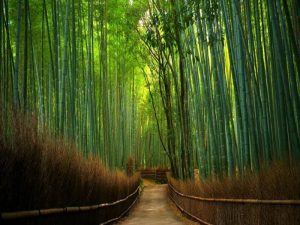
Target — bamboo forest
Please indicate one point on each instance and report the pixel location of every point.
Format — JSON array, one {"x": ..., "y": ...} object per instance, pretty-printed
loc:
[{"x": 150, "y": 112}]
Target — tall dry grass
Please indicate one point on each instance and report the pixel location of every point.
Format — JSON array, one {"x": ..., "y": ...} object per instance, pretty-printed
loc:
[
  {"x": 276, "y": 182},
  {"x": 40, "y": 172}
]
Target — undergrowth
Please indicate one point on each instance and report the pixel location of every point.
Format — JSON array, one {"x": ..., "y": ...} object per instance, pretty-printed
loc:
[
  {"x": 279, "y": 181},
  {"x": 38, "y": 171}
]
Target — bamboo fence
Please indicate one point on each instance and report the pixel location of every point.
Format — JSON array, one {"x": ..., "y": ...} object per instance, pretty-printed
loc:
[
  {"x": 232, "y": 206},
  {"x": 46, "y": 212}
]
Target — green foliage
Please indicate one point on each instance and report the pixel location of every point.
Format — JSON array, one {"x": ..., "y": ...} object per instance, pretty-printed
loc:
[
  {"x": 207, "y": 84},
  {"x": 83, "y": 77},
  {"x": 241, "y": 66}
]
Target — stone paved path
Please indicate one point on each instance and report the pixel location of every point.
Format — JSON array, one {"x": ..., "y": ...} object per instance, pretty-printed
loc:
[{"x": 152, "y": 209}]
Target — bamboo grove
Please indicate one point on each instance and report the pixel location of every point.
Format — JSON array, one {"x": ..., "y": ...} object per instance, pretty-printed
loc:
[
  {"x": 228, "y": 73},
  {"x": 208, "y": 84},
  {"x": 72, "y": 63}
]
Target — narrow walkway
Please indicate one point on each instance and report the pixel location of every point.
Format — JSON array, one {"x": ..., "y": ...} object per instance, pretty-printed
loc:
[{"x": 152, "y": 209}]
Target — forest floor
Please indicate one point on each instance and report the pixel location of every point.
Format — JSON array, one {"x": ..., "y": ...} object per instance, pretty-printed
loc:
[{"x": 154, "y": 207}]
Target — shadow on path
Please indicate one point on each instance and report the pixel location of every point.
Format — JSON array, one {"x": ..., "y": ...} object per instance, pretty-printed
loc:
[{"x": 153, "y": 208}]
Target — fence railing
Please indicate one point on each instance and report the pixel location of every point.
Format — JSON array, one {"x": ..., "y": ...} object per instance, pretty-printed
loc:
[
  {"x": 159, "y": 175},
  {"x": 210, "y": 211},
  {"x": 10, "y": 216}
]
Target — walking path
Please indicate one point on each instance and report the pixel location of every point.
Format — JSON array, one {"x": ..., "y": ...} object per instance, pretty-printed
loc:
[{"x": 152, "y": 209}]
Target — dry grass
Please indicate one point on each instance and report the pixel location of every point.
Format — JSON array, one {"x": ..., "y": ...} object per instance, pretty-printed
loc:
[
  {"x": 39, "y": 172},
  {"x": 129, "y": 166},
  {"x": 278, "y": 181}
]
